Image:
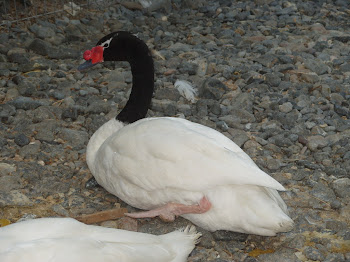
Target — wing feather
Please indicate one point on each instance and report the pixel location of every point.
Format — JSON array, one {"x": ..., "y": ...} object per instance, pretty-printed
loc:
[{"x": 165, "y": 152}]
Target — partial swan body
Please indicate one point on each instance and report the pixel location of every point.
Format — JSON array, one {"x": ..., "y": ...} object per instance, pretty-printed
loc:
[
  {"x": 67, "y": 240},
  {"x": 172, "y": 166}
]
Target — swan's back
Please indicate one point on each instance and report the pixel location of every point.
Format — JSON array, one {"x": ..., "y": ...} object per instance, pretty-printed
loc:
[{"x": 67, "y": 240}]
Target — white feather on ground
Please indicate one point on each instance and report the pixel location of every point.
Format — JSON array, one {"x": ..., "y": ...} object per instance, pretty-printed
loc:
[{"x": 186, "y": 90}]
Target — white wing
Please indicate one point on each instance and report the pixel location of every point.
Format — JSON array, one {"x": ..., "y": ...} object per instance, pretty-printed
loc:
[{"x": 156, "y": 153}]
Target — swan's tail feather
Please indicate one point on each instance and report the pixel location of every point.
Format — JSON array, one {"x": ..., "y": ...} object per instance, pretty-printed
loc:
[{"x": 192, "y": 232}]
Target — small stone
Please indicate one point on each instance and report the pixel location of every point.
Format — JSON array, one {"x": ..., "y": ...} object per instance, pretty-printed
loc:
[
  {"x": 223, "y": 235},
  {"x": 60, "y": 210},
  {"x": 40, "y": 47},
  {"x": 98, "y": 107},
  {"x": 25, "y": 103},
  {"x": 336, "y": 225},
  {"x": 286, "y": 107},
  {"x": 30, "y": 150},
  {"x": 313, "y": 254},
  {"x": 8, "y": 183},
  {"x": 316, "y": 142},
  {"x": 127, "y": 223},
  {"x": 6, "y": 169},
  {"x": 167, "y": 93},
  {"x": 76, "y": 138},
  {"x": 341, "y": 187},
  {"x": 316, "y": 66},
  {"x": 335, "y": 257},
  {"x": 272, "y": 79},
  {"x": 14, "y": 198},
  {"x": 323, "y": 193},
  {"x": 21, "y": 140},
  {"x": 273, "y": 164},
  {"x": 213, "y": 89}
]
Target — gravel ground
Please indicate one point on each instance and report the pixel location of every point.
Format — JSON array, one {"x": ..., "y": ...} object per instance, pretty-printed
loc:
[{"x": 274, "y": 76}]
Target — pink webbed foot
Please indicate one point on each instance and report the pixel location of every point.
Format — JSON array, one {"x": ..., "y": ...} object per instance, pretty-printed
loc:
[{"x": 169, "y": 211}]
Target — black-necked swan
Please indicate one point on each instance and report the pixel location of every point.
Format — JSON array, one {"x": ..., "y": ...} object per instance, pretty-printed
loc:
[
  {"x": 67, "y": 240},
  {"x": 174, "y": 167}
]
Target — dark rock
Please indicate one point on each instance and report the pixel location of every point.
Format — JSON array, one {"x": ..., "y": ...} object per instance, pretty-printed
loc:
[
  {"x": 18, "y": 58},
  {"x": 21, "y": 140},
  {"x": 25, "y": 103},
  {"x": 40, "y": 47},
  {"x": 42, "y": 31},
  {"x": 223, "y": 235},
  {"x": 212, "y": 89},
  {"x": 272, "y": 79},
  {"x": 91, "y": 183}
]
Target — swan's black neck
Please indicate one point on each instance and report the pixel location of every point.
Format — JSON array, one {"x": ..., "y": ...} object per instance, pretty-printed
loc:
[
  {"x": 141, "y": 92},
  {"x": 124, "y": 46}
]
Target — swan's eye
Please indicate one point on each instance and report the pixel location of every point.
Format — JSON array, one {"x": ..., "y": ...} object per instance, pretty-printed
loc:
[{"x": 106, "y": 45}]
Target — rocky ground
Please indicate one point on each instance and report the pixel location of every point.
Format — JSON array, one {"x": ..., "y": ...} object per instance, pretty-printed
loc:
[{"x": 274, "y": 76}]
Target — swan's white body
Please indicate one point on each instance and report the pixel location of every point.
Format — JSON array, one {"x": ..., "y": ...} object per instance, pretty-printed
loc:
[
  {"x": 67, "y": 240},
  {"x": 155, "y": 161}
]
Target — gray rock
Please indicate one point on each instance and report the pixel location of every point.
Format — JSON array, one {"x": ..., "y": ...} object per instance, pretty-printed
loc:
[
  {"x": 21, "y": 140},
  {"x": 336, "y": 171},
  {"x": 324, "y": 193},
  {"x": 9, "y": 183},
  {"x": 345, "y": 67},
  {"x": 316, "y": 66},
  {"x": 40, "y": 47},
  {"x": 18, "y": 58},
  {"x": 273, "y": 164},
  {"x": 281, "y": 255},
  {"x": 179, "y": 47},
  {"x": 98, "y": 107},
  {"x": 336, "y": 226},
  {"x": 66, "y": 53},
  {"x": 316, "y": 142},
  {"x": 76, "y": 138},
  {"x": 6, "y": 110},
  {"x": 30, "y": 150},
  {"x": 14, "y": 198},
  {"x": 167, "y": 93},
  {"x": 212, "y": 89},
  {"x": 240, "y": 139},
  {"x": 272, "y": 79},
  {"x": 286, "y": 107},
  {"x": 42, "y": 31},
  {"x": 223, "y": 235},
  {"x": 341, "y": 187},
  {"x": 335, "y": 257},
  {"x": 26, "y": 103},
  {"x": 313, "y": 254}
]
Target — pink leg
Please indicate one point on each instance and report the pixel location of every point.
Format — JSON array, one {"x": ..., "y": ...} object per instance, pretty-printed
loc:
[{"x": 169, "y": 211}]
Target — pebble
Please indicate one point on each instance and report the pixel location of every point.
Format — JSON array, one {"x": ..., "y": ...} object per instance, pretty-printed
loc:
[
  {"x": 341, "y": 187},
  {"x": 313, "y": 254},
  {"x": 21, "y": 140}
]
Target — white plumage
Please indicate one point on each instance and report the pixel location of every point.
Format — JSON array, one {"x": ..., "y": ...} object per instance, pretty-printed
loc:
[
  {"x": 67, "y": 240},
  {"x": 186, "y": 90},
  {"x": 155, "y": 161}
]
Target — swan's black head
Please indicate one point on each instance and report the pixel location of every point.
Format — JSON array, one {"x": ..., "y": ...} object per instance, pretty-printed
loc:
[{"x": 117, "y": 46}]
